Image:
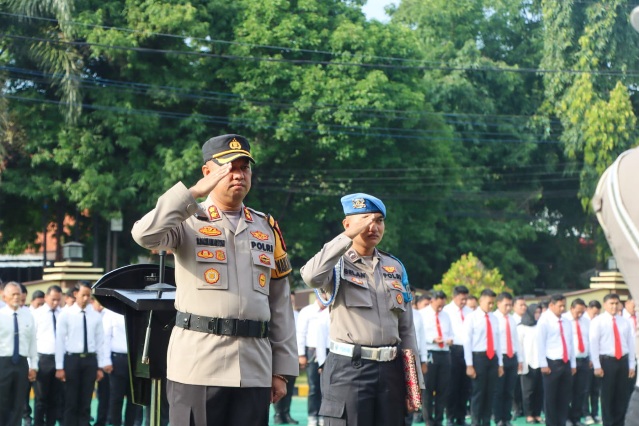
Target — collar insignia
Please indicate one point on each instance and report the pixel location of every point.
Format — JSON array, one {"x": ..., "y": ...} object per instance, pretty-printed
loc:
[
  {"x": 247, "y": 215},
  {"x": 214, "y": 214}
]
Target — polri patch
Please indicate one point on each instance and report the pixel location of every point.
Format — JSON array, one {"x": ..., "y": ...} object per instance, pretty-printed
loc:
[
  {"x": 265, "y": 259},
  {"x": 211, "y": 276},
  {"x": 262, "y": 280},
  {"x": 399, "y": 298},
  {"x": 220, "y": 255}
]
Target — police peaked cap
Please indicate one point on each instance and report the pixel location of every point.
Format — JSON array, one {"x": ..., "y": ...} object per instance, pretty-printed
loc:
[{"x": 226, "y": 148}]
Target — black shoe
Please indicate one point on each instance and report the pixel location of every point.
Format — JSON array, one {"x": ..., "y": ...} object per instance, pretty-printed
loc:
[
  {"x": 290, "y": 420},
  {"x": 279, "y": 420}
]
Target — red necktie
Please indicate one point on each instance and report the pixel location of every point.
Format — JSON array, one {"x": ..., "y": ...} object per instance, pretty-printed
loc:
[
  {"x": 439, "y": 329},
  {"x": 461, "y": 312},
  {"x": 634, "y": 320},
  {"x": 617, "y": 339},
  {"x": 580, "y": 340},
  {"x": 490, "y": 346},
  {"x": 509, "y": 340},
  {"x": 563, "y": 342}
]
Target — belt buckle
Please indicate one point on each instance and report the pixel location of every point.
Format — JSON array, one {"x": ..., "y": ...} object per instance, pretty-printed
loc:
[
  {"x": 213, "y": 325},
  {"x": 83, "y": 355}
]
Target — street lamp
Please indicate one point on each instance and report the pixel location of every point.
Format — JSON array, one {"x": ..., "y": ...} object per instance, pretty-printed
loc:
[{"x": 72, "y": 251}]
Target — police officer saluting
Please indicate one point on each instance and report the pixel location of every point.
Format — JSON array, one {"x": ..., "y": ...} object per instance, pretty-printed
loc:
[
  {"x": 234, "y": 341},
  {"x": 363, "y": 377}
]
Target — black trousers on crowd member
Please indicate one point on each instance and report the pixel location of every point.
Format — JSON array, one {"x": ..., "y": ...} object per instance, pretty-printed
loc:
[
  {"x": 80, "y": 372},
  {"x": 13, "y": 385},
  {"x": 437, "y": 380},
  {"x": 557, "y": 392},
  {"x": 591, "y": 404},
  {"x": 314, "y": 384},
  {"x": 119, "y": 388},
  {"x": 197, "y": 405},
  {"x": 47, "y": 392},
  {"x": 459, "y": 387},
  {"x": 505, "y": 390},
  {"x": 26, "y": 411},
  {"x": 632, "y": 415},
  {"x": 614, "y": 390},
  {"x": 518, "y": 404},
  {"x": 481, "y": 400},
  {"x": 532, "y": 390},
  {"x": 361, "y": 392},
  {"x": 103, "y": 392},
  {"x": 579, "y": 390}
]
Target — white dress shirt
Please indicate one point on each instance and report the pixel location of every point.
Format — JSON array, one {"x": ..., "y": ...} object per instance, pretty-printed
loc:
[
  {"x": 528, "y": 341},
  {"x": 632, "y": 319},
  {"x": 517, "y": 319},
  {"x": 307, "y": 327},
  {"x": 70, "y": 335},
  {"x": 584, "y": 327},
  {"x": 457, "y": 323},
  {"x": 430, "y": 328},
  {"x": 45, "y": 335},
  {"x": 419, "y": 335},
  {"x": 514, "y": 338},
  {"x": 549, "y": 341},
  {"x": 475, "y": 331},
  {"x": 27, "y": 335},
  {"x": 323, "y": 340},
  {"x": 602, "y": 339},
  {"x": 114, "y": 334}
]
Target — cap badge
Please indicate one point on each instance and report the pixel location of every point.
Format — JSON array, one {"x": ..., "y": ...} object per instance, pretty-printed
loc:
[
  {"x": 359, "y": 203},
  {"x": 211, "y": 276},
  {"x": 235, "y": 144}
]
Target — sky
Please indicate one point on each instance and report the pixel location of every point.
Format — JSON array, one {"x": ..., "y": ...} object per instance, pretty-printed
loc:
[{"x": 374, "y": 9}]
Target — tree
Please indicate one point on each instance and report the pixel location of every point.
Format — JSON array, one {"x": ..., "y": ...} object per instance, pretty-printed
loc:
[{"x": 469, "y": 271}]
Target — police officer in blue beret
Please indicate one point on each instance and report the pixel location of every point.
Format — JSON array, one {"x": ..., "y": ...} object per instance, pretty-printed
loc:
[{"x": 371, "y": 320}]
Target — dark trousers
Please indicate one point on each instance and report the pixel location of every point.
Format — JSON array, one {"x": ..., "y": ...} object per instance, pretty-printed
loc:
[
  {"x": 632, "y": 415},
  {"x": 481, "y": 400},
  {"x": 120, "y": 387},
  {"x": 614, "y": 390},
  {"x": 47, "y": 392},
  {"x": 103, "y": 392},
  {"x": 360, "y": 392},
  {"x": 26, "y": 411},
  {"x": 591, "y": 404},
  {"x": 314, "y": 386},
  {"x": 557, "y": 392},
  {"x": 518, "y": 404},
  {"x": 532, "y": 392},
  {"x": 282, "y": 407},
  {"x": 197, "y": 405},
  {"x": 505, "y": 390},
  {"x": 78, "y": 389},
  {"x": 437, "y": 379},
  {"x": 459, "y": 387},
  {"x": 13, "y": 385},
  {"x": 579, "y": 390},
  {"x": 164, "y": 409}
]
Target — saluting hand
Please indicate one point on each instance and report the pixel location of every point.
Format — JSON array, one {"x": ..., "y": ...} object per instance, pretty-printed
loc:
[
  {"x": 204, "y": 186},
  {"x": 355, "y": 225}
]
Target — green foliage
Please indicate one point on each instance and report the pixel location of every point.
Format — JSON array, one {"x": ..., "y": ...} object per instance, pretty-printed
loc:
[{"x": 469, "y": 271}]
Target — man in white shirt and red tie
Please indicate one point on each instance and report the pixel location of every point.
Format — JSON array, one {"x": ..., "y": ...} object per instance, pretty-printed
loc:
[
  {"x": 459, "y": 387},
  {"x": 79, "y": 356},
  {"x": 556, "y": 360},
  {"x": 580, "y": 326},
  {"x": 47, "y": 387},
  {"x": 512, "y": 360},
  {"x": 482, "y": 353},
  {"x": 612, "y": 350},
  {"x": 439, "y": 337}
]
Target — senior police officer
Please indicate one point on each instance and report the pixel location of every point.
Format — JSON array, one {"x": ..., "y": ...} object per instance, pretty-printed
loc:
[
  {"x": 363, "y": 380},
  {"x": 234, "y": 341}
]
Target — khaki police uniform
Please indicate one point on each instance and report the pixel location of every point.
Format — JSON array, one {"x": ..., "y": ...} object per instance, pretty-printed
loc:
[
  {"x": 369, "y": 310},
  {"x": 616, "y": 203},
  {"x": 223, "y": 272}
]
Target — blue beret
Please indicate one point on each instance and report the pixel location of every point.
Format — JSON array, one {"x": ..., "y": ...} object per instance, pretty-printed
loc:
[{"x": 362, "y": 203}]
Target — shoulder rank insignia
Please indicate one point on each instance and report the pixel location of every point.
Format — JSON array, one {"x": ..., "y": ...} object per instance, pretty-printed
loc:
[
  {"x": 282, "y": 264},
  {"x": 210, "y": 231},
  {"x": 260, "y": 235},
  {"x": 214, "y": 214},
  {"x": 247, "y": 215}
]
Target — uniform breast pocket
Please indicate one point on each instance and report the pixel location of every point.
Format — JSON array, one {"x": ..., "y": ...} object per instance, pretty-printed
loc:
[
  {"x": 262, "y": 264},
  {"x": 397, "y": 302},
  {"x": 357, "y": 295},
  {"x": 211, "y": 269}
]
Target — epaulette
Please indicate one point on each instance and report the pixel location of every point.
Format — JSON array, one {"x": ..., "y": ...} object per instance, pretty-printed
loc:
[
  {"x": 408, "y": 296},
  {"x": 260, "y": 214}
]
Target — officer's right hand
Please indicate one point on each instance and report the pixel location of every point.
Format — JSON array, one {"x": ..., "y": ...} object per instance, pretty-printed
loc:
[
  {"x": 212, "y": 176},
  {"x": 545, "y": 370},
  {"x": 470, "y": 372},
  {"x": 599, "y": 372},
  {"x": 59, "y": 374},
  {"x": 302, "y": 361},
  {"x": 356, "y": 224}
]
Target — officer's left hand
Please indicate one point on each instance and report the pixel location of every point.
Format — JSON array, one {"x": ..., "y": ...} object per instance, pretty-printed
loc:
[
  {"x": 278, "y": 389},
  {"x": 631, "y": 373},
  {"x": 99, "y": 375},
  {"x": 424, "y": 368},
  {"x": 32, "y": 375},
  {"x": 520, "y": 367},
  {"x": 500, "y": 371},
  {"x": 573, "y": 371}
]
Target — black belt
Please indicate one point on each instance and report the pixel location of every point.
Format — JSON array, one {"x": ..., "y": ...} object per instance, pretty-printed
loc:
[
  {"x": 82, "y": 354},
  {"x": 614, "y": 357},
  {"x": 222, "y": 326},
  {"x": 45, "y": 355},
  {"x": 116, "y": 354}
]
